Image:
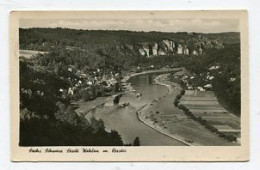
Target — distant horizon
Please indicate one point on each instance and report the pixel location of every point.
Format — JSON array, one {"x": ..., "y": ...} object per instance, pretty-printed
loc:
[
  {"x": 129, "y": 30},
  {"x": 138, "y": 25}
]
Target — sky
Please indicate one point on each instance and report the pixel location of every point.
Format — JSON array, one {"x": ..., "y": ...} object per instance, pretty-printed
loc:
[{"x": 162, "y": 25}]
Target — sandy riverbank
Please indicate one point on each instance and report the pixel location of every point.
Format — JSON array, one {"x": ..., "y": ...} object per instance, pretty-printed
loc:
[{"x": 157, "y": 128}]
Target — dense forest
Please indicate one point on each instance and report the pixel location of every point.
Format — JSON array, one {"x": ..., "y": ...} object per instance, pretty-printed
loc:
[{"x": 84, "y": 65}]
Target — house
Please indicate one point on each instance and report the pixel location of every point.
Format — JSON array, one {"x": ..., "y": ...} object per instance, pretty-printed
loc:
[
  {"x": 71, "y": 91},
  {"x": 214, "y": 67},
  {"x": 211, "y": 77},
  {"x": 208, "y": 86},
  {"x": 201, "y": 89},
  {"x": 89, "y": 83},
  {"x": 232, "y": 79}
]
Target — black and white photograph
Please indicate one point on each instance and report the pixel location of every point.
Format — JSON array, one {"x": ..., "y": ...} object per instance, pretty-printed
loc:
[{"x": 130, "y": 81}]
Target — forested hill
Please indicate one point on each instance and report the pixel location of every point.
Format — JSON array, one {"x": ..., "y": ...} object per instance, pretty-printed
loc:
[{"x": 62, "y": 36}]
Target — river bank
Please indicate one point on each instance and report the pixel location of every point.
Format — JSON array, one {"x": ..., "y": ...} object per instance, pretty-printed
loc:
[
  {"x": 151, "y": 124},
  {"x": 163, "y": 116}
]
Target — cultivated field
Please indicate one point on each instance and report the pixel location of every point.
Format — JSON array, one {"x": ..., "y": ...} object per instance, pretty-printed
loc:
[{"x": 205, "y": 105}]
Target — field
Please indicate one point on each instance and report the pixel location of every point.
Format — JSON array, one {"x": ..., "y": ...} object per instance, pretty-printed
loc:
[{"x": 205, "y": 105}]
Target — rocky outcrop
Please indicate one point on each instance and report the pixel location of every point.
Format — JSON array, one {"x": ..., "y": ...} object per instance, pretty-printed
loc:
[
  {"x": 142, "y": 51},
  {"x": 155, "y": 49},
  {"x": 147, "y": 51},
  {"x": 195, "y": 52},
  {"x": 179, "y": 49},
  {"x": 170, "y": 45},
  {"x": 186, "y": 51},
  {"x": 161, "y": 52}
]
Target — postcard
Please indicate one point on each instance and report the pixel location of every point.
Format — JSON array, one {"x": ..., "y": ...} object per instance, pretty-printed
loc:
[{"x": 129, "y": 85}]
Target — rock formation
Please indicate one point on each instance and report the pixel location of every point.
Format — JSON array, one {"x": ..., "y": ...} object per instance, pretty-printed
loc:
[
  {"x": 161, "y": 52},
  {"x": 169, "y": 44},
  {"x": 155, "y": 49},
  {"x": 186, "y": 51},
  {"x": 179, "y": 49}
]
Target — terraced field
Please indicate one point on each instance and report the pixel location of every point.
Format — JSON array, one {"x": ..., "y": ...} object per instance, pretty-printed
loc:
[{"x": 205, "y": 105}]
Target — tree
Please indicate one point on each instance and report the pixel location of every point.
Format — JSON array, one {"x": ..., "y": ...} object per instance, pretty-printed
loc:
[
  {"x": 115, "y": 138},
  {"x": 136, "y": 142},
  {"x": 66, "y": 114}
]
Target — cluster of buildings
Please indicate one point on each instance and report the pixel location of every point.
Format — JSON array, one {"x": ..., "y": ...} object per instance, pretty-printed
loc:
[
  {"x": 202, "y": 82},
  {"x": 93, "y": 79}
]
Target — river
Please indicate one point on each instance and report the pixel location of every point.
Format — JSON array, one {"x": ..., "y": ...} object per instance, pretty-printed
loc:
[{"x": 125, "y": 120}]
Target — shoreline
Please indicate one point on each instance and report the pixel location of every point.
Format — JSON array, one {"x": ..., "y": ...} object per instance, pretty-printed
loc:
[
  {"x": 149, "y": 123},
  {"x": 157, "y": 81},
  {"x": 141, "y": 119}
]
